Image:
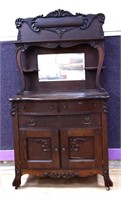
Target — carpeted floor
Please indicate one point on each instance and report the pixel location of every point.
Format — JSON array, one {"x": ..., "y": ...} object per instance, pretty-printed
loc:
[{"x": 34, "y": 188}]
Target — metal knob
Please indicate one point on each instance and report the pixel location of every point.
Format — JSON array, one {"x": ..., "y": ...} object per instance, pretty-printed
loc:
[
  {"x": 63, "y": 149},
  {"x": 65, "y": 107},
  {"x": 51, "y": 107},
  {"x": 56, "y": 149}
]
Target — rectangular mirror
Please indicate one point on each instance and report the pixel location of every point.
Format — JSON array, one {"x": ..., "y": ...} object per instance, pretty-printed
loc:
[{"x": 61, "y": 67}]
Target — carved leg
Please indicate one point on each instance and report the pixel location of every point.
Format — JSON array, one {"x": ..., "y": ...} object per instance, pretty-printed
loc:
[
  {"x": 107, "y": 180},
  {"x": 17, "y": 179}
]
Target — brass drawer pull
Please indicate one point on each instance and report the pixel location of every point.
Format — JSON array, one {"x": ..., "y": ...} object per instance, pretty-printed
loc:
[
  {"x": 87, "y": 120},
  {"x": 32, "y": 122}
]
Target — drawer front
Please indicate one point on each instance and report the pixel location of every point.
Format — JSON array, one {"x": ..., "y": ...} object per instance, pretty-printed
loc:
[
  {"x": 62, "y": 107},
  {"x": 80, "y": 106},
  {"x": 83, "y": 121},
  {"x": 37, "y": 107}
]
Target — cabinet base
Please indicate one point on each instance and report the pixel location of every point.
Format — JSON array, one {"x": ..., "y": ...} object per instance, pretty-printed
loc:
[{"x": 67, "y": 174}]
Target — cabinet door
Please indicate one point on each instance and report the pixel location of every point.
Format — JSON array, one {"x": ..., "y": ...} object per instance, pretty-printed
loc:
[
  {"x": 39, "y": 149},
  {"x": 81, "y": 148}
]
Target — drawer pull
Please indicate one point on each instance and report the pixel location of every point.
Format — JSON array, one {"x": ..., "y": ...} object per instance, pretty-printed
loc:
[
  {"x": 23, "y": 107},
  {"x": 87, "y": 120},
  {"x": 56, "y": 149},
  {"x": 32, "y": 122},
  {"x": 51, "y": 107},
  {"x": 65, "y": 107},
  {"x": 63, "y": 149},
  {"x": 80, "y": 103}
]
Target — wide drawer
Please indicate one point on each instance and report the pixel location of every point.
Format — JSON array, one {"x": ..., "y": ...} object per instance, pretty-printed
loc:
[
  {"x": 62, "y": 107},
  {"x": 85, "y": 120}
]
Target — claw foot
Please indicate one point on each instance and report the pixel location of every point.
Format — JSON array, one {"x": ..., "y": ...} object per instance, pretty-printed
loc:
[
  {"x": 17, "y": 180},
  {"x": 107, "y": 180}
]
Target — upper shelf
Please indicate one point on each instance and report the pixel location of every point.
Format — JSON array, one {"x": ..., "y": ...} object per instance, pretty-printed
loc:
[{"x": 60, "y": 26}]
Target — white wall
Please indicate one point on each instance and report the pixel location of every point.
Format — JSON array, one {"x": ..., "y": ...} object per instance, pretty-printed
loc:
[{"x": 12, "y": 9}]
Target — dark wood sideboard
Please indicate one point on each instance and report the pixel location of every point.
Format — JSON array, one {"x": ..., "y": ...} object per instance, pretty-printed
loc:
[{"x": 60, "y": 125}]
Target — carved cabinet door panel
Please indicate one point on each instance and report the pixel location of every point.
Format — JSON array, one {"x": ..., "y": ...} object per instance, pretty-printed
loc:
[
  {"x": 81, "y": 148},
  {"x": 39, "y": 148}
]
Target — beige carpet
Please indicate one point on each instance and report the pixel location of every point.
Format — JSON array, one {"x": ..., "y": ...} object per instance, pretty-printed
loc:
[{"x": 34, "y": 188}]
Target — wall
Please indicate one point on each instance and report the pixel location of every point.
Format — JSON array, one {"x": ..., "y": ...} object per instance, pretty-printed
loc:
[
  {"x": 12, "y": 9},
  {"x": 9, "y": 74},
  {"x": 11, "y": 84}
]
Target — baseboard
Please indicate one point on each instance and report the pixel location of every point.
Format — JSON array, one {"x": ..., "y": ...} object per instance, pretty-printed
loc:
[{"x": 8, "y": 155}]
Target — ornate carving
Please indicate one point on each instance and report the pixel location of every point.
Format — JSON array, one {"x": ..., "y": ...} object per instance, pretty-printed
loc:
[
  {"x": 13, "y": 109},
  {"x": 34, "y": 24},
  {"x": 83, "y": 22},
  {"x": 59, "y": 13},
  {"x": 57, "y": 175},
  {"x": 45, "y": 144},
  {"x": 19, "y": 22},
  {"x": 60, "y": 30},
  {"x": 74, "y": 143},
  {"x": 101, "y": 17}
]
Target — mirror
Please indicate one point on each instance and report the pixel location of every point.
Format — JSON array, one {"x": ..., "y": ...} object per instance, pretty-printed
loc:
[{"x": 61, "y": 67}]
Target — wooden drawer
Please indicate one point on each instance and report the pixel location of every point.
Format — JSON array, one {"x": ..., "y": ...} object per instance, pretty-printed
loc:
[
  {"x": 80, "y": 106},
  {"x": 37, "y": 107},
  {"x": 84, "y": 121},
  {"x": 62, "y": 107}
]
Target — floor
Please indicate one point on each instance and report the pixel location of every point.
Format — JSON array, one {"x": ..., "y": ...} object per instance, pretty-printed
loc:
[{"x": 48, "y": 189}]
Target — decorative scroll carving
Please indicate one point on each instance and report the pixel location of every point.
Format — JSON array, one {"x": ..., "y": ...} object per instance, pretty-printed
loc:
[
  {"x": 101, "y": 17},
  {"x": 57, "y": 175},
  {"x": 59, "y": 13},
  {"x": 85, "y": 21},
  {"x": 13, "y": 109},
  {"x": 74, "y": 143},
  {"x": 19, "y": 22},
  {"x": 82, "y": 21},
  {"x": 45, "y": 144}
]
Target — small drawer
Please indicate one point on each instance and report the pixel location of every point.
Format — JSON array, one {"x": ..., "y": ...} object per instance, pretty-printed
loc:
[
  {"x": 80, "y": 106},
  {"x": 37, "y": 107}
]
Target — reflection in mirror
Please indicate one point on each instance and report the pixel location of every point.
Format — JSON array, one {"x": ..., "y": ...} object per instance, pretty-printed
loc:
[{"x": 61, "y": 67}]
